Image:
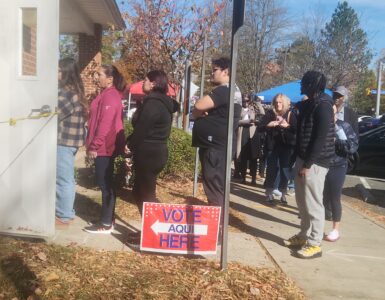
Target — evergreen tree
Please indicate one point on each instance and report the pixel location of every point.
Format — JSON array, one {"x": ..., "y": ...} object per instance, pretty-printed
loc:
[{"x": 344, "y": 54}]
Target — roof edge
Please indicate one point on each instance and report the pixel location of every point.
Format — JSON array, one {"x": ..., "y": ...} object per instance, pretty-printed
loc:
[{"x": 111, "y": 4}]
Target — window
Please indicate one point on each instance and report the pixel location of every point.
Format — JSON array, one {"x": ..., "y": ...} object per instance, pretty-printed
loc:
[{"x": 28, "y": 40}]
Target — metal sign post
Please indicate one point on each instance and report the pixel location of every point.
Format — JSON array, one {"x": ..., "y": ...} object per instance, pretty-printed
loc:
[
  {"x": 238, "y": 17},
  {"x": 187, "y": 96},
  {"x": 203, "y": 70},
  {"x": 380, "y": 65}
]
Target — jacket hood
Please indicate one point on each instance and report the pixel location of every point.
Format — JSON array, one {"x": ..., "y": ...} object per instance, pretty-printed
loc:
[{"x": 170, "y": 104}]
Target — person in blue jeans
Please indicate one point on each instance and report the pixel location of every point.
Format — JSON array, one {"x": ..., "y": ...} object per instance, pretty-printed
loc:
[
  {"x": 72, "y": 113},
  {"x": 280, "y": 126}
]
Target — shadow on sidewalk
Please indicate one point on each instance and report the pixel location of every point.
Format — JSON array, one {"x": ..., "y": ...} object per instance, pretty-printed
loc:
[
  {"x": 261, "y": 215},
  {"x": 89, "y": 210}
]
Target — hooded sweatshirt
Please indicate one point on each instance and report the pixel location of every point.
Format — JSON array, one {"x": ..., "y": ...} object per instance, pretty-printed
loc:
[{"x": 152, "y": 123}]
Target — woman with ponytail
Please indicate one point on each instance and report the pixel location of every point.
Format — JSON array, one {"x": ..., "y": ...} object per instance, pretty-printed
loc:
[{"x": 105, "y": 140}]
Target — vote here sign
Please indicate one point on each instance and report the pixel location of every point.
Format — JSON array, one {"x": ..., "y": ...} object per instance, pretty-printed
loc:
[{"x": 178, "y": 228}]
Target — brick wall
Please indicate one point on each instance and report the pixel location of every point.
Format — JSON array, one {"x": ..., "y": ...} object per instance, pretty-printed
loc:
[
  {"x": 90, "y": 58},
  {"x": 29, "y": 50}
]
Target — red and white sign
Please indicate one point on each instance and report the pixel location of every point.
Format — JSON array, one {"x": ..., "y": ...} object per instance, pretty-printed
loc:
[{"x": 178, "y": 228}]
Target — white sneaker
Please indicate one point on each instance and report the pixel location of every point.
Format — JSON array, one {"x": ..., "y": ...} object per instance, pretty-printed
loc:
[
  {"x": 332, "y": 236},
  {"x": 277, "y": 193}
]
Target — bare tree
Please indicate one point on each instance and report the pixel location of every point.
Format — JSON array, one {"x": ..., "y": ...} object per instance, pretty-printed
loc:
[{"x": 264, "y": 25}]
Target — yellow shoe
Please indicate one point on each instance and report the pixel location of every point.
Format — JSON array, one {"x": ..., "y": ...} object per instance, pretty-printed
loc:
[
  {"x": 295, "y": 241},
  {"x": 309, "y": 251}
]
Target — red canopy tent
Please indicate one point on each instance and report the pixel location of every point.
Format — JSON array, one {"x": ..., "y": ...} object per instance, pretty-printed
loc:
[{"x": 136, "y": 89}]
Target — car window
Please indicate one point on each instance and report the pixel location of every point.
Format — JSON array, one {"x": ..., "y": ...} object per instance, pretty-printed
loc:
[{"x": 377, "y": 138}]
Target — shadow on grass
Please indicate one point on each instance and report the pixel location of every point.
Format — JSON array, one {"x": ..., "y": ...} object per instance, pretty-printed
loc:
[{"x": 24, "y": 280}]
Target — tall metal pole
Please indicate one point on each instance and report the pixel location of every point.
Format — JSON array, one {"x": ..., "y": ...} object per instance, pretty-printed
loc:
[
  {"x": 203, "y": 71},
  {"x": 380, "y": 64},
  {"x": 238, "y": 17},
  {"x": 187, "y": 84}
]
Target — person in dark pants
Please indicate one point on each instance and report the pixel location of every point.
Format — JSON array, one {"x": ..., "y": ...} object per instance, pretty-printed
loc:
[
  {"x": 346, "y": 142},
  {"x": 210, "y": 130},
  {"x": 280, "y": 125},
  {"x": 248, "y": 142},
  {"x": 148, "y": 142},
  {"x": 105, "y": 140},
  {"x": 346, "y": 114}
]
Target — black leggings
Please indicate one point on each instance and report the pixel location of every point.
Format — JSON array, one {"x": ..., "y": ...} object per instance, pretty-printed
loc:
[
  {"x": 334, "y": 182},
  {"x": 149, "y": 161},
  {"x": 104, "y": 172}
]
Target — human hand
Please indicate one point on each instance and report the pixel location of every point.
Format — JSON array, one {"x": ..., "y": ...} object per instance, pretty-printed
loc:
[
  {"x": 303, "y": 172},
  {"x": 272, "y": 124},
  {"x": 92, "y": 154},
  {"x": 284, "y": 123}
]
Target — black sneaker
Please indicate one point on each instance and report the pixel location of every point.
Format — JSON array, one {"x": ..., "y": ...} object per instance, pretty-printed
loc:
[
  {"x": 270, "y": 200},
  {"x": 283, "y": 200},
  {"x": 99, "y": 228}
]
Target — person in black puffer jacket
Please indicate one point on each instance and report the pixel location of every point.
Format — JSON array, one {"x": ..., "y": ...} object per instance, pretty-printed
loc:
[
  {"x": 148, "y": 142},
  {"x": 346, "y": 143},
  {"x": 315, "y": 150}
]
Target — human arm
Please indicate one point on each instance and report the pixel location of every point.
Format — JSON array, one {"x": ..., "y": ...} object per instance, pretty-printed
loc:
[
  {"x": 66, "y": 105},
  {"x": 202, "y": 106},
  {"x": 146, "y": 120},
  {"x": 350, "y": 144},
  {"x": 107, "y": 112},
  {"x": 323, "y": 119}
]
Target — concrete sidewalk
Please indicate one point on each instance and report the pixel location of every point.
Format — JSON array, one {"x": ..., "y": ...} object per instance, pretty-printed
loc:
[{"x": 351, "y": 268}]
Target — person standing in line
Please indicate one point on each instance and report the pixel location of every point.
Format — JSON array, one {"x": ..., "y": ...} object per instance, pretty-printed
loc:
[
  {"x": 148, "y": 142},
  {"x": 72, "y": 113},
  {"x": 346, "y": 114},
  {"x": 280, "y": 125},
  {"x": 247, "y": 140},
  {"x": 346, "y": 142},
  {"x": 315, "y": 149},
  {"x": 210, "y": 130},
  {"x": 105, "y": 140}
]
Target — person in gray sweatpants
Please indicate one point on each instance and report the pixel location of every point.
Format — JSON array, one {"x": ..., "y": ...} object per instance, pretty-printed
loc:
[{"x": 314, "y": 149}]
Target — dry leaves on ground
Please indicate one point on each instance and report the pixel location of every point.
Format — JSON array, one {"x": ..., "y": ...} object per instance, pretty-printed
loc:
[{"x": 77, "y": 273}]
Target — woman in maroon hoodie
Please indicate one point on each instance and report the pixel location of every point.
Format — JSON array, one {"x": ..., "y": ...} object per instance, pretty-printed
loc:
[{"x": 105, "y": 140}]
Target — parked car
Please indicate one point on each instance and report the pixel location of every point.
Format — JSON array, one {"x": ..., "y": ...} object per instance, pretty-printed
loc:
[
  {"x": 371, "y": 151},
  {"x": 364, "y": 118},
  {"x": 370, "y": 123}
]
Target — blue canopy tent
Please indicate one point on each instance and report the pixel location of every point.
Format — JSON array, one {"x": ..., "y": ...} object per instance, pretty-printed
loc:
[{"x": 291, "y": 89}]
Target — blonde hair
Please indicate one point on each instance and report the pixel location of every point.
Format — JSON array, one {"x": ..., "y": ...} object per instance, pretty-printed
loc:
[{"x": 285, "y": 104}]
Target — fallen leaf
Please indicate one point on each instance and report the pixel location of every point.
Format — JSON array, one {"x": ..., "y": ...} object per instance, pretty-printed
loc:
[
  {"x": 51, "y": 277},
  {"x": 38, "y": 291},
  {"x": 255, "y": 291},
  {"x": 42, "y": 256}
]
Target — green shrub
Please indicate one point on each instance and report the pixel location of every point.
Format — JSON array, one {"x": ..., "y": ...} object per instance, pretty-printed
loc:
[{"x": 181, "y": 156}]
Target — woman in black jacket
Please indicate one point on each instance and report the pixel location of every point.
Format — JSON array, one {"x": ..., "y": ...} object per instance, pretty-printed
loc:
[
  {"x": 148, "y": 142},
  {"x": 346, "y": 143},
  {"x": 280, "y": 125}
]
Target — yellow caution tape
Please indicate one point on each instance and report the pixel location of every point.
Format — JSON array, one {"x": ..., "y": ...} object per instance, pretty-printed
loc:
[{"x": 13, "y": 121}]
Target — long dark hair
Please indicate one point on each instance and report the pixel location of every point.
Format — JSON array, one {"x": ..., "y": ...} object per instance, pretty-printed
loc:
[
  {"x": 160, "y": 79},
  {"x": 117, "y": 79},
  {"x": 313, "y": 83},
  {"x": 70, "y": 79}
]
